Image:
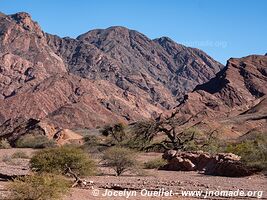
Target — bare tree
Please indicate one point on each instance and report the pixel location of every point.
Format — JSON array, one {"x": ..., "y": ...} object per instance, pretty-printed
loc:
[{"x": 175, "y": 140}]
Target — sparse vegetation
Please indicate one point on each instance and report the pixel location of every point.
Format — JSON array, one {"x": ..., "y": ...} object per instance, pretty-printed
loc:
[
  {"x": 38, "y": 187},
  {"x": 35, "y": 141},
  {"x": 13, "y": 159},
  {"x": 135, "y": 136},
  {"x": 92, "y": 144},
  {"x": 7, "y": 159},
  {"x": 55, "y": 160},
  {"x": 117, "y": 135},
  {"x": 212, "y": 146},
  {"x": 117, "y": 132},
  {"x": 142, "y": 133},
  {"x": 4, "y": 144},
  {"x": 20, "y": 154},
  {"x": 252, "y": 152},
  {"x": 146, "y": 131},
  {"x": 155, "y": 163},
  {"x": 120, "y": 159}
]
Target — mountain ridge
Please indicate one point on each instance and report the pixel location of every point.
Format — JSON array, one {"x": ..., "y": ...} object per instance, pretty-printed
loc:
[{"x": 103, "y": 76}]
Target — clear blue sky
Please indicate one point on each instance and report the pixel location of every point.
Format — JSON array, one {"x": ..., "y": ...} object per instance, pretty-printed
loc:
[{"x": 222, "y": 28}]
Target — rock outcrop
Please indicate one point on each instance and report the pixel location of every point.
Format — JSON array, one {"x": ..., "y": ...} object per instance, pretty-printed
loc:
[
  {"x": 227, "y": 164},
  {"x": 186, "y": 161},
  {"x": 13, "y": 129},
  {"x": 222, "y": 164}
]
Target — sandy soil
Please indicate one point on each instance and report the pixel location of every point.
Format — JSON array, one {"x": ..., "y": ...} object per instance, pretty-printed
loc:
[{"x": 154, "y": 180}]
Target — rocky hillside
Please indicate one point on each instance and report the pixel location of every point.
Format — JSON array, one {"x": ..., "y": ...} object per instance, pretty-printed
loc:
[
  {"x": 102, "y": 76},
  {"x": 234, "y": 102}
]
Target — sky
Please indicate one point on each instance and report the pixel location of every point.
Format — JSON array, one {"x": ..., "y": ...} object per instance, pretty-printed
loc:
[{"x": 221, "y": 28}]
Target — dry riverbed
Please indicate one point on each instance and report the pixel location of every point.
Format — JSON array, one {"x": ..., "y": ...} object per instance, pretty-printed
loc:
[{"x": 156, "y": 184}]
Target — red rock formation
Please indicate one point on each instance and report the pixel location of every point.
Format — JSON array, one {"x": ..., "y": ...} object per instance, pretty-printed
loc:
[
  {"x": 103, "y": 76},
  {"x": 233, "y": 103}
]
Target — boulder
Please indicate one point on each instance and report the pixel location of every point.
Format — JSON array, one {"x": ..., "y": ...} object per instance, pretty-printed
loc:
[
  {"x": 179, "y": 164},
  {"x": 221, "y": 164},
  {"x": 227, "y": 164},
  {"x": 198, "y": 160},
  {"x": 168, "y": 155}
]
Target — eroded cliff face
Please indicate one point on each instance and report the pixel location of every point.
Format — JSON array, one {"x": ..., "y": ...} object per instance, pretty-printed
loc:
[
  {"x": 25, "y": 57},
  {"x": 241, "y": 82},
  {"x": 103, "y": 76}
]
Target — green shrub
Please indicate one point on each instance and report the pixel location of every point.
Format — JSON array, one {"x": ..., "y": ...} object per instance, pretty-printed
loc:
[
  {"x": 92, "y": 144},
  {"x": 35, "y": 141},
  {"x": 252, "y": 152},
  {"x": 19, "y": 154},
  {"x": 196, "y": 139},
  {"x": 38, "y": 187},
  {"x": 155, "y": 163},
  {"x": 142, "y": 134},
  {"x": 115, "y": 134},
  {"x": 55, "y": 160},
  {"x": 120, "y": 159},
  {"x": 4, "y": 144}
]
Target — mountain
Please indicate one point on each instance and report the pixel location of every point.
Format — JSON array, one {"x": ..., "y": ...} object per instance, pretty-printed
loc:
[
  {"x": 132, "y": 61},
  {"x": 102, "y": 76},
  {"x": 233, "y": 103}
]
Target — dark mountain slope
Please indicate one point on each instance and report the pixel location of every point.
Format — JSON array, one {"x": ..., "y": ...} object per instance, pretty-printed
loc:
[
  {"x": 103, "y": 76},
  {"x": 234, "y": 102}
]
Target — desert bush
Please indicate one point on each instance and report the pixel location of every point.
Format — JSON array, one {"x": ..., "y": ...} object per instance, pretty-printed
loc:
[
  {"x": 214, "y": 146},
  {"x": 19, "y": 154},
  {"x": 12, "y": 161},
  {"x": 134, "y": 136},
  {"x": 142, "y": 134},
  {"x": 194, "y": 137},
  {"x": 155, "y": 163},
  {"x": 116, "y": 133},
  {"x": 7, "y": 159},
  {"x": 92, "y": 144},
  {"x": 120, "y": 159},
  {"x": 55, "y": 160},
  {"x": 34, "y": 141},
  {"x": 252, "y": 152},
  {"x": 38, "y": 187},
  {"x": 4, "y": 144},
  {"x": 135, "y": 142},
  {"x": 90, "y": 140}
]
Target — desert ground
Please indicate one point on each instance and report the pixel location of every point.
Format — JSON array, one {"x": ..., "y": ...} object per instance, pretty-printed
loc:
[{"x": 153, "y": 180}]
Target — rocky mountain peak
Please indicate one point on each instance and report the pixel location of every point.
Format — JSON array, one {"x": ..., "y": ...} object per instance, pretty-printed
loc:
[
  {"x": 164, "y": 40},
  {"x": 21, "y": 16},
  {"x": 24, "y": 19},
  {"x": 113, "y": 35}
]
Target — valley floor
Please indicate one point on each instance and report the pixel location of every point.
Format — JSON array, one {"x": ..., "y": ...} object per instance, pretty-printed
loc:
[{"x": 154, "y": 180}]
